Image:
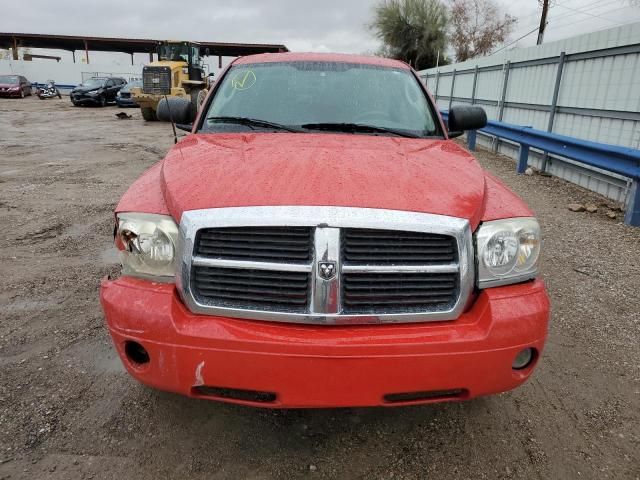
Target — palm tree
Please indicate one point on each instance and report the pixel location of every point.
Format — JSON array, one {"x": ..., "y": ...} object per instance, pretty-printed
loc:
[{"x": 411, "y": 30}]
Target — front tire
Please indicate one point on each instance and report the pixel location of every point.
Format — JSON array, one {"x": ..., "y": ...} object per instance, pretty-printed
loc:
[
  {"x": 22, "y": 95},
  {"x": 197, "y": 97},
  {"x": 103, "y": 101},
  {"x": 148, "y": 114}
]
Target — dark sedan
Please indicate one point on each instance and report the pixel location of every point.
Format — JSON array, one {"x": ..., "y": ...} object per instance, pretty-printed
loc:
[
  {"x": 123, "y": 99},
  {"x": 14, "y": 86},
  {"x": 97, "y": 91}
]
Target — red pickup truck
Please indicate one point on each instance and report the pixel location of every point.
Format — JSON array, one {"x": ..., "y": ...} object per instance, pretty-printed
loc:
[{"x": 320, "y": 241}]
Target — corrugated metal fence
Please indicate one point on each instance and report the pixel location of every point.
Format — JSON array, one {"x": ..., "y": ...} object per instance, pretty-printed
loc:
[{"x": 586, "y": 87}]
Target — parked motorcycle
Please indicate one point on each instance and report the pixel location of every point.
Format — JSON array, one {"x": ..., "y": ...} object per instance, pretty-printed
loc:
[{"x": 48, "y": 91}]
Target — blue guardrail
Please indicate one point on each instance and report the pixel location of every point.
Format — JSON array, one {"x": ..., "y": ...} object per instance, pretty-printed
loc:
[{"x": 612, "y": 158}]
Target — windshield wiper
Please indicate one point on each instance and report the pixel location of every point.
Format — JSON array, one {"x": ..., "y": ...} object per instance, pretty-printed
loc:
[
  {"x": 357, "y": 127},
  {"x": 254, "y": 122}
]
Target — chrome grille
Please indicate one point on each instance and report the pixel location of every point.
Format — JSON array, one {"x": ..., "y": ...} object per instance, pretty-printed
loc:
[
  {"x": 277, "y": 244},
  {"x": 382, "y": 247},
  {"x": 156, "y": 80},
  {"x": 325, "y": 265},
  {"x": 239, "y": 288}
]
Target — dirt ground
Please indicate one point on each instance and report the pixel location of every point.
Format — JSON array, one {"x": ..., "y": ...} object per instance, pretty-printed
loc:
[{"x": 68, "y": 410}]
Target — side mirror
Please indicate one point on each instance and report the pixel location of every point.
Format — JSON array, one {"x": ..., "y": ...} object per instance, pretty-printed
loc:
[
  {"x": 463, "y": 118},
  {"x": 174, "y": 108}
]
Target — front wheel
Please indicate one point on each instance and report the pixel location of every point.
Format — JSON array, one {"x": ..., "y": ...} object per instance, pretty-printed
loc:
[
  {"x": 103, "y": 101},
  {"x": 59, "y": 96},
  {"x": 148, "y": 114},
  {"x": 22, "y": 95}
]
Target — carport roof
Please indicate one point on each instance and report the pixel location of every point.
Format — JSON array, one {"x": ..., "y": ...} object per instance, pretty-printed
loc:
[{"x": 127, "y": 45}]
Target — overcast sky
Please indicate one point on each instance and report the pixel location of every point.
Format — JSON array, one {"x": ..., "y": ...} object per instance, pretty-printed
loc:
[{"x": 326, "y": 25}]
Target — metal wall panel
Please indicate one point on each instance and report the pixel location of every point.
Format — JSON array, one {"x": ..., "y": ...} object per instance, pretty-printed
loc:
[{"x": 598, "y": 97}]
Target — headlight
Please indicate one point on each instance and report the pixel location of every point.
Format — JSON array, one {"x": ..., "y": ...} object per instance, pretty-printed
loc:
[
  {"x": 507, "y": 251},
  {"x": 93, "y": 92},
  {"x": 148, "y": 245},
  {"x": 118, "y": 94}
]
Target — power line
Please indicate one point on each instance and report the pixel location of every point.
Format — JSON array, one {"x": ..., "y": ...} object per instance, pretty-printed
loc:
[
  {"x": 515, "y": 41},
  {"x": 589, "y": 6},
  {"x": 586, "y": 19},
  {"x": 590, "y": 14}
]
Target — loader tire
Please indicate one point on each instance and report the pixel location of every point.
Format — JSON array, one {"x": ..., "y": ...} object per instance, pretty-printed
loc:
[
  {"x": 197, "y": 97},
  {"x": 148, "y": 114}
]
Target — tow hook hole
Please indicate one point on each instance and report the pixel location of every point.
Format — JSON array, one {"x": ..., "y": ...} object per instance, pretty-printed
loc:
[{"x": 136, "y": 353}]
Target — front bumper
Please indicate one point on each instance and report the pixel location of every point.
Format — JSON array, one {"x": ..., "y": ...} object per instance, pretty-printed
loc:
[
  {"x": 326, "y": 366},
  {"x": 85, "y": 99},
  {"x": 9, "y": 93},
  {"x": 126, "y": 102}
]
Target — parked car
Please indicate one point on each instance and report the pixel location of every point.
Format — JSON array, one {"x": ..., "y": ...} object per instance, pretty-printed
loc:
[
  {"x": 123, "y": 98},
  {"x": 318, "y": 240},
  {"x": 14, "y": 86},
  {"x": 97, "y": 91}
]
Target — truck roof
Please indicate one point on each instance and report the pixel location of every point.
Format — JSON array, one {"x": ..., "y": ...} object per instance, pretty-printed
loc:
[{"x": 320, "y": 57}]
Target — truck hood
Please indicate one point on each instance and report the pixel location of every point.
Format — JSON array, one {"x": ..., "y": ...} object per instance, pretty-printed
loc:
[{"x": 230, "y": 170}]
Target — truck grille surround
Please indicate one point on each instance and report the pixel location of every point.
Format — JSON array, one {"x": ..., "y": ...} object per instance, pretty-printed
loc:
[
  {"x": 325, "y": 265},
  {"x": 156, "y": 80}
]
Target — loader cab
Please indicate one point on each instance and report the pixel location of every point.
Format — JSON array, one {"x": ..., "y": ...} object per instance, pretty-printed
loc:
[{"x": 187, "y": 52}]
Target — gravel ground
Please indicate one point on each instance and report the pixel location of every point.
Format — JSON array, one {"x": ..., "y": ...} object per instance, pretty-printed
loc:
[{"x": 68, "y": 410}]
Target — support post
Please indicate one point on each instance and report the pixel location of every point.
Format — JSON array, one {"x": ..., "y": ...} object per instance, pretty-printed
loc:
[
  {"x": 219, "y": 61},
  {"x": 475, "y": 83},
  {"x": 435, "y": 93},
  {"x": 503, "y": 98},
  {"x": 150, "y": 57},
  {"x": 15, "y": 48},
  {"x": 523, "y": 158},
  {"x": 453, "y": 85},
  {"x": 132, "y": 58},
  {"x": 73, "y": 52},
  {"x": 632, "y": 214},
  {"x": 471, "y": 140},
  {"x": 554, "y": 105},
  {"x": 86, "y": 52}
]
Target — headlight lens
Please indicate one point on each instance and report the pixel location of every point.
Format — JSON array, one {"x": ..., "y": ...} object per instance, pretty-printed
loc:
[
  {"x": 507, "y": 251},
  {"x": 148, "y": 245}
]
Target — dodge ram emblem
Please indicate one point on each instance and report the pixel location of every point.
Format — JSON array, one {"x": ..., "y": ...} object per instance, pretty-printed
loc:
[{"x": 327, "y": 270}]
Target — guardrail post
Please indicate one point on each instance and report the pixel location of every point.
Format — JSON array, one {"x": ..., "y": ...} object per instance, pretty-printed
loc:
[
  {"x": 435, "y": 94},
  {"x": 632, "y": 215},
  {"x": 453, "y": 84},
  {"x": 523, "y": 158},
  {"x": 554, "y": 105},
  {"x": 471, "y": 140}
]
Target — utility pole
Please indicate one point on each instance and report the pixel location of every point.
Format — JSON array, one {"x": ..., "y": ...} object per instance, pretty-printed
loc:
[{"x": 543, "y": 21}]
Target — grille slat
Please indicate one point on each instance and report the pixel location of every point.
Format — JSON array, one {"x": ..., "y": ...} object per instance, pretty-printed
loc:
[{"x": 278, "y": 244}]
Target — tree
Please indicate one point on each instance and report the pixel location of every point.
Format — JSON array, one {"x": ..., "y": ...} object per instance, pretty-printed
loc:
[
  {"x": 477, "y": 26},
  {"x": 411, "y": 30}
]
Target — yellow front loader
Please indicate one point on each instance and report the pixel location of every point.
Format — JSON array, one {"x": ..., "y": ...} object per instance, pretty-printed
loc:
[{"x": 179, "y": 72}]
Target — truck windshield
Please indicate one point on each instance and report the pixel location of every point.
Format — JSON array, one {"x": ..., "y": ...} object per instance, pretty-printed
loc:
[
  {"x": 322, "y": 96},
  {"x": 174, "y": 52},
  {"x": 93, "y": 83}
]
